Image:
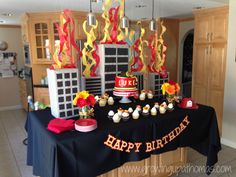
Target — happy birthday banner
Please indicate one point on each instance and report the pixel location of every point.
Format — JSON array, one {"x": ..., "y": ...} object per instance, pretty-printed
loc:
[{"x": 124, "y": 146}]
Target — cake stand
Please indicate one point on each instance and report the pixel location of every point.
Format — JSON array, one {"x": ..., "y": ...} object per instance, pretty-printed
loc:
[{"x": 125, "y": 95}]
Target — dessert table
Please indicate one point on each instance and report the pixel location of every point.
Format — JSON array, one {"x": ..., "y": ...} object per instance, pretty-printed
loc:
[{"x": 78, "y": 154}]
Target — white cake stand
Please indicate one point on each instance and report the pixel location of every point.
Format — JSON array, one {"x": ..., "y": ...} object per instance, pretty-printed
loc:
[{"x": 125, "y": 95}]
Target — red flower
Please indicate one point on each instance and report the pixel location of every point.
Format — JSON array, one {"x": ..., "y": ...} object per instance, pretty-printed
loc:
[
  {"x": 90, "y": 100},
  {"x": 172, "y": 82},
  {"x": 81, "y": 102}
]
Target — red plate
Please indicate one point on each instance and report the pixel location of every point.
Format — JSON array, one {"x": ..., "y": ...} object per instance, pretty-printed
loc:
[{"x": 85, "y": 125}]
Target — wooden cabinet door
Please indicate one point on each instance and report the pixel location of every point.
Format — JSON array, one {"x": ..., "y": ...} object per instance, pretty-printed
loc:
[
  {"x": 219, "y": 27},
  {"x": 200, "y": 73},
  {"x": 79, "y": 28},
  {"x": 101, "y": 27},
  {"x": 23, "y": 94},
  {"x": 42, "y": 95},
  {"x": 216, "y": 75},
  {"x": 41, "y": 42},
  {"x": 136, "y": 169},
  {"x": 202, "y": 29}
]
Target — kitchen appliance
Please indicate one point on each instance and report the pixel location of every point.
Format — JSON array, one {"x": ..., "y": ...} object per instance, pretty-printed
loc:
[
  {"x": 29, "y": 81},
  {"x": 27, "y": 54}
]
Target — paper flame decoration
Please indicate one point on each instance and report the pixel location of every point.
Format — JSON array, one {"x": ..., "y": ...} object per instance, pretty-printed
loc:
[
  {"x": 113, "y": 34},
  {"x": 63, "y": 55},
  {"x": 138, "y": 63},
  {"x": 90, "y": 59},
  {"x": 158, "y": 53}
]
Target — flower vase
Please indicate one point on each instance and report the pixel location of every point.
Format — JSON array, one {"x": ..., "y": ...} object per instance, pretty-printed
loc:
[
  {"x": 85, "y": 112},
  {"x": 170, "y": 99}
]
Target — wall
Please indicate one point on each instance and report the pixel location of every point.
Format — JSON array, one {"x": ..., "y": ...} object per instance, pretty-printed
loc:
[
  {"x": 184, "y": 27},
  {"x": 229, "y": 120},
  {"x": 9, "y": 87},
  {"x": 171, "y": 38}
]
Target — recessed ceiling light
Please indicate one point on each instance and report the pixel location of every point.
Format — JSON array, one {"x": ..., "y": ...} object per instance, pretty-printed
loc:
[
  {"x": 97, "y": 1},
  {"x": 7, "y": 14},
  {"x": 140, "y": 6},
  {"x": 197, "y": 7}
]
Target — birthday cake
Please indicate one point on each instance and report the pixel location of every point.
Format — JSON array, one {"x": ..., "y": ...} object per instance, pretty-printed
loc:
[{"x": 125, "y": 85}]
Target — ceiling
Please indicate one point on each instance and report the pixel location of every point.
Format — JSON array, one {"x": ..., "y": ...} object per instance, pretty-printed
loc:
[{"x": 135, "y": 9}]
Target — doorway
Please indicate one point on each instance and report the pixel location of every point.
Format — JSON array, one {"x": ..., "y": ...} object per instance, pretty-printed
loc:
[{"x": 187, "y": 64}]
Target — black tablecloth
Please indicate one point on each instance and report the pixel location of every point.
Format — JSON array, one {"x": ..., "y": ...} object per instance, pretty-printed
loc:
[{"x": 77, "y": 154}]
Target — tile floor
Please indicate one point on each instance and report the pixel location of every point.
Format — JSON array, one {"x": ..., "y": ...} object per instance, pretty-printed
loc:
[{"x": 13, "y": 152}]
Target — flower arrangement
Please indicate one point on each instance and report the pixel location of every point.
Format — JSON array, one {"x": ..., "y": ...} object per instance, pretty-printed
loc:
[
  {"x": 170, "y": 89},
  {"x": 84, "y": 101}
]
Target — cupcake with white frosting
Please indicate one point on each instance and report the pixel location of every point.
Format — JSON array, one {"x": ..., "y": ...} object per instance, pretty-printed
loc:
[
  {"x": 156, "y": 105},
  {"x": 170, "y": 107},
  {"x": 153, "y": 111},
  {"x": 135, "y": 114},
  {"x": 162, "y": 109},
  {"x": 125, "y": 115},
  {"x": 145, "y": 111},
  {"x": 120, "y": 111},
  {"x": 116, "y": 118},
  {"x": 138, "y": 108},
  {"x": 150, "y": 94},
  {"x": 111, "y": 114},
  {"x": 110, "y": 101},
  {"x": 130, "y": 110}
]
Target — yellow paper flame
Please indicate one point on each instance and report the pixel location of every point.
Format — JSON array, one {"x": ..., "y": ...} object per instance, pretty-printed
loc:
[{"x": 87, "y": 58}]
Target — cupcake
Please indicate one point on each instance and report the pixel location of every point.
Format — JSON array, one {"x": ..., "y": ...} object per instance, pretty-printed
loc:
[
  {"x": 110, "y": 101},
  {"x": 142, "y": 96},
  {"x": 156, "y": 105},
  {"x": 120, "y": 111},
  {"x": 130, "y": 110},
  {"x": 106, "y": 95},
  {"x": 164, "y": 104},
  {"x": 116, "y": 118},
  {"x": 102, "y": 102},
  {"x": 150, "y": 94},
  {"x": 111, "y": 114},
  {"x": 135, "y": 114},
  {"x": 153, "y": 111},
  {"x": 162, "y": 109},
  {"x": 138, "y": 108},
  {"x": 145, "y": 111},
  {"x": 147, "y": 105},
  {"x": 170, "y": 107},
  {"x": 97, "y": 98},
  {"x": 125, "y": 115}
]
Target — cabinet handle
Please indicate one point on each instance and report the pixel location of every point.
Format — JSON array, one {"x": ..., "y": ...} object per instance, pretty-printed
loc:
[
  {"x": 208, "y": 36},
  {"x": 210, "y": 50},
  {"x": 206, "y": 51},
  {"x": 211, "y": 37}
]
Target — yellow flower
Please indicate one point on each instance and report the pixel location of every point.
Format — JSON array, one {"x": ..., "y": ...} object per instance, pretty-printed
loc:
[
  {"x": 83, "y": 94},
  {"x": 164, "y": 87},
  {"x": 75, "y": 99}
]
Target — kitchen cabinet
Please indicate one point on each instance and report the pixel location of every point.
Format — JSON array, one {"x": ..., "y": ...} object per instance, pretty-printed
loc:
[
  {"x": 23, "y": 94},
  {"x": 44, "y": 36},
  {"x": 155, "y": 166},
  {"x": 41, "y": 94},
  {"x": 209, "y": 59},
  {"x": 79, "y": 28},
  {"x": 211, "y": 25}
]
